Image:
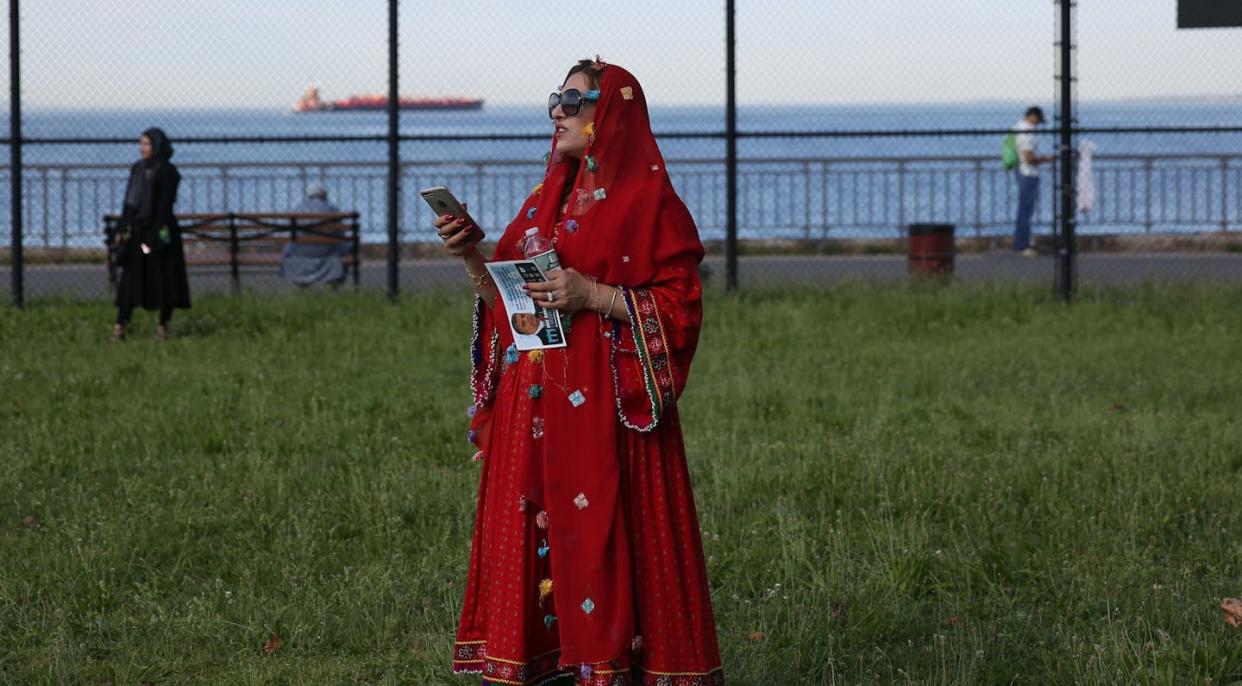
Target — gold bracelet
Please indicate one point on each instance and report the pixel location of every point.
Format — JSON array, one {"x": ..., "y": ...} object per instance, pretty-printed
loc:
[
  {"x": 479, "y": 280},
  {"x": 594, "y": 293}
]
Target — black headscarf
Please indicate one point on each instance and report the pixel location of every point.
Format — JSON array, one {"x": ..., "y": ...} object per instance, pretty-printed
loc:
[
  {"x": 160, "y": 144},
  {"x": 137, "y": 194}
]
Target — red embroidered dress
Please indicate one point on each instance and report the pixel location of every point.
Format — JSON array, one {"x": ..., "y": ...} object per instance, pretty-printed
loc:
[{"x": 586, "y": 557}]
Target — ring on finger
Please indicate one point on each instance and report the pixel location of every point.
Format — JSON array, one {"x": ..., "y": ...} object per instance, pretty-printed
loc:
[{"x": 551, "y": 296}]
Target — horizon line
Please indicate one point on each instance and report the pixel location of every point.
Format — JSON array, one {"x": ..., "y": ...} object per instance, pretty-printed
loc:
[{"x": 509, "y": 104}]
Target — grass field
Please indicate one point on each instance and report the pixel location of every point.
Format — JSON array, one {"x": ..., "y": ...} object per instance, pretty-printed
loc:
[{"x": 957, "y": 486}]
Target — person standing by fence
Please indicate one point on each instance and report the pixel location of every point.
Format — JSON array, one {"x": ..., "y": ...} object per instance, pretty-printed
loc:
[
  {"x": 148, "y": 241},
  {"x": 1028, "y": 178}
]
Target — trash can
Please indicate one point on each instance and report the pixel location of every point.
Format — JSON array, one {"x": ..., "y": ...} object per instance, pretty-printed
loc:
[{"x": 930, "y": 249}]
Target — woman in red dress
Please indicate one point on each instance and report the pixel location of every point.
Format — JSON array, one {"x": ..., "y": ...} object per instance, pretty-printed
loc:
[{"x": 587, "y": 563}]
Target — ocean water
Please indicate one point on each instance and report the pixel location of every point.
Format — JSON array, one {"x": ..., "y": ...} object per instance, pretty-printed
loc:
[
  {"x": 788, "y": 190},
  {"x": 533, "y": 120}
]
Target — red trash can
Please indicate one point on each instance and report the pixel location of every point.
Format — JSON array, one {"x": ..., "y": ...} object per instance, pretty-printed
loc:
[{"x": 930, "y": 249}]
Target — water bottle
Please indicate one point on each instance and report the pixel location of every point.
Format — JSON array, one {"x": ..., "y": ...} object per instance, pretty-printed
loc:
[{"x": 539, "y": 250}]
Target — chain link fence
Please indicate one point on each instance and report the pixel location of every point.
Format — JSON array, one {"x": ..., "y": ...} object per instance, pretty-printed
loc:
[{"x": 854, "y": 123}]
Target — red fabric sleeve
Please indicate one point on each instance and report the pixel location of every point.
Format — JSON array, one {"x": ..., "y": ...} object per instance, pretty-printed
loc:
[
  {"x": 651, "y": 356},
  {"x": 485, "y": 361},
  {"x": 490, "y": 339}
]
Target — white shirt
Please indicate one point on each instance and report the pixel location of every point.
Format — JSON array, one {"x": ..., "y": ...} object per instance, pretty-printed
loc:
[
  {"x": 1025, "y": 138},
  {"x": 1084, "y": 177}
]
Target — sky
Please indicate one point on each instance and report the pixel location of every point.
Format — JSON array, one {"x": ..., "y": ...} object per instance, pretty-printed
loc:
[{"x": 263, "y": 53}]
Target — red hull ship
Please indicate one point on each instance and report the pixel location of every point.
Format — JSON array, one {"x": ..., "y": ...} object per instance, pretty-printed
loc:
[{"x": 310, "y": 102}]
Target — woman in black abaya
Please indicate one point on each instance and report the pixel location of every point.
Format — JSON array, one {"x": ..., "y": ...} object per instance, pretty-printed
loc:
[{"x": 148, "y": 245}]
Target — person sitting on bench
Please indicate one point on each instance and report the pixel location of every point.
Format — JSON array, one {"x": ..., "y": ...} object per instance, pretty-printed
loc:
[{"x": 307, "y": 263}]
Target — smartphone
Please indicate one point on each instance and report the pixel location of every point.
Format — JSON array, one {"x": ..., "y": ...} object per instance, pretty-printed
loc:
[{"x": 443, "y": 202}]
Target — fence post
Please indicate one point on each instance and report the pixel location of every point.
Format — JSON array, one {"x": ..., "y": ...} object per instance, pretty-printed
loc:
[
  {"x": 901, "y": 195},
  {"x": 354, "y": 247},
  {"x": 824, "y": 167},
  {"x": 806, "y": 198},
  {"x": 234, "y": 268},
  {"x": 1147, "y": 173},
  {"x": 15, "y": 152},
  {"x": 47, "y": 202},
  {"x": 730, "y": 151},
  {"x": 394, "y": 152},
  {"x": 1067, "y": 252},
  {"x": 978, "y": 199},
  {"x": 1224, "y": 194},
  {"x": 110, "y": 229}
]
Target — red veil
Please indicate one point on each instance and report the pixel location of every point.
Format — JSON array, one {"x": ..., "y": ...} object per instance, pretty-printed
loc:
[{"x": 627, "y": 227}]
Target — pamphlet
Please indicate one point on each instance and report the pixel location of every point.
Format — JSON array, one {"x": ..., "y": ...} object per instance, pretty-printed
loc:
[{"x": 533, "y": 327}]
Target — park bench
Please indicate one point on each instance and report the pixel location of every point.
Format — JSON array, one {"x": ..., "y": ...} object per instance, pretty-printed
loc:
[{"x": 249, "y": 239}]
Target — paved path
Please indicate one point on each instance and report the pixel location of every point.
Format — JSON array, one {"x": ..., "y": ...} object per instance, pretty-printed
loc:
[{"x": 90, "y": 281}]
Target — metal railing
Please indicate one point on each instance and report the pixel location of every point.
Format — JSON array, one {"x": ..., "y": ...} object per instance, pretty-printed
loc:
[{"x": 816, "y": 199}]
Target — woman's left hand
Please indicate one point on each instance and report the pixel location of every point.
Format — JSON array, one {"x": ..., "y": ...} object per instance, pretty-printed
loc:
[{"x": 570, "y": 291}]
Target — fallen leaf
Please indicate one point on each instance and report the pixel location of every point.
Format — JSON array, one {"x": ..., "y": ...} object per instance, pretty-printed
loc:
[
  {"x": 755, "y": 636},
  {"x": 273, "y": 644},
  {"x": 1232, "y": 608},
  {"x": 31, "y": 522},
  {"x": 954, "y": 620},
  {"x": 838, "y": 610},
  {"x": 1115, "y": 408}
]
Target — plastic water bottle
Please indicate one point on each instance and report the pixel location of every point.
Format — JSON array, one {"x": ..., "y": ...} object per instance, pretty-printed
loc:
[{"x": 539, "y": 250}]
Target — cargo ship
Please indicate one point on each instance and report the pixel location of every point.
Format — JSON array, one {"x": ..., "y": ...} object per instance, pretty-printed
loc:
[{"x": 311, "y": 102}]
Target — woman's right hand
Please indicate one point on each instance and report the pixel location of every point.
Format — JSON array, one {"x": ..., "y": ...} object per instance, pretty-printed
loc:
[{"x": 459, "y": 235}]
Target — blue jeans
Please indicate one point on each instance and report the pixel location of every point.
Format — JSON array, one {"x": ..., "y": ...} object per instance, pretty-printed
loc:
[{"x": 1028, "y": 194}]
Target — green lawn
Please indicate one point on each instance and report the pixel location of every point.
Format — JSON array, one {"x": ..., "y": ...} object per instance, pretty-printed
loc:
[{"x": 958, "y": 485}]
